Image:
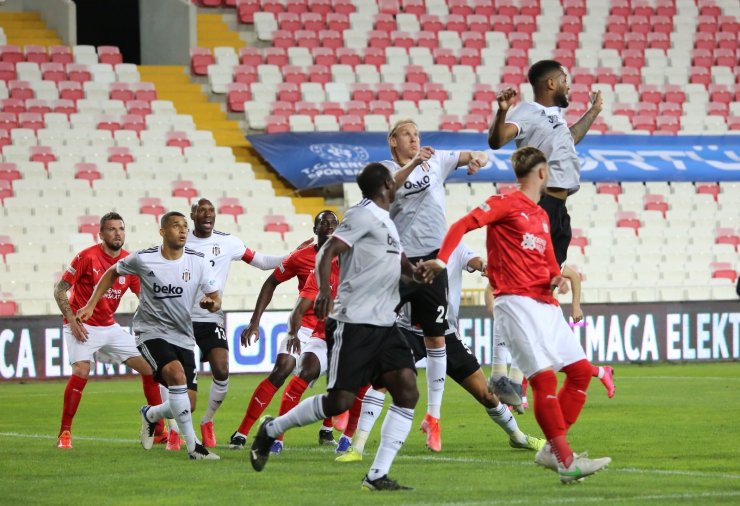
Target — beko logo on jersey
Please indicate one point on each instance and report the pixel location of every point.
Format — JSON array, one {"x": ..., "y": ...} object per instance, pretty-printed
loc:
[
  {"x": 419, "y": 186},
  {"x": 392, "y": 241},
  {"x": 167, "y": 291}
]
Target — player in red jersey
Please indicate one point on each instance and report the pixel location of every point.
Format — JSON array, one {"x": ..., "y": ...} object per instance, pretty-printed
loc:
[
  {"x": 312, "y": 359},
  {"x": 523, "y": 272},
  {"x": 100, "y": 338},
  {"x": 299, "y": 264}
]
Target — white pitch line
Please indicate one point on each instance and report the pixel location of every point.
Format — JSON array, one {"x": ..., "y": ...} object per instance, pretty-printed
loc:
[{"x": 430, "y": 458}]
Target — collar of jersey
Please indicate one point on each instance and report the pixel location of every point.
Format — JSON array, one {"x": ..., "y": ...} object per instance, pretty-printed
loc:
[{"x": 554, "y": 109}]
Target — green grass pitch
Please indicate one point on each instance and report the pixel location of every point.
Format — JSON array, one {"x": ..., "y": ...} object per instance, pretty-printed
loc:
[{"x": 673, "y": 432}]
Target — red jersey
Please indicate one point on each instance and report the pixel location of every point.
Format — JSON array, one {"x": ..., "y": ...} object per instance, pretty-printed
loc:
[
  {"x": 84, "y": 273},
  {"x": 311, "y": 289},
  {"x": 521, "y": 260},
  {"x": 299, "y": 263}
]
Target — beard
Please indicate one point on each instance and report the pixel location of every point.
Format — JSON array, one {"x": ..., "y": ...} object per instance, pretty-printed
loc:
[
  {"x": 561, "y": 100},
  {"x": 114, "y": 246}
]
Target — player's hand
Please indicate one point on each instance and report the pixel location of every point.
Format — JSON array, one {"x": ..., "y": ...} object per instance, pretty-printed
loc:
[
  {"x": 478, "y": 160},
  {"x": 428, "y": 270},
  {"x": 577, "y": 314},
  {"x": 323, "y": 304},
  {"x": 561, "y": 284},
  {"x": 308, "y": 242},
  {"x": 505, "y": 99},
  {"x": 597, "y": 100},
  {"x": 207, "y": 303},
  {"x": 77, "y": 328},
  {"x": 250, "y": 334},
  {"x": 423, "y": 156},
  {"x": 294, "y": 345}
]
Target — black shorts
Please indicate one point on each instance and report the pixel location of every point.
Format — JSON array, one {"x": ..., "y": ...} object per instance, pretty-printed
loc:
[
  {"x": 158, "y": 353},
  {"x": 461, "y": 362},
  {"x": 560, "y": 231},
  {"x": 428, "y": 301},
  {"x": 360, "y": 354},
  {"x": 209, "y": 335}
]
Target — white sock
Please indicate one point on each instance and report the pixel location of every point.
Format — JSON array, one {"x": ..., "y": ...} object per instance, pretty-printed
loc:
[
  {"x": 504, "y": 419},
  {"x": 156, "y": 413},
  {"x": 601, "y": 372},
  {"x": 307, "y": 411},
  {"x": 393, "y": 434},
  {"x": 171, "y": 423},
  {"x": 167, "y": 415},
  {"x": 215, "y": 398},
  {"x": 164, "y": 392},
  {"x": 436, "y": 372},
  {"x": 516, "y": 375},
  {"x": 372, "y": 406},
  {"x": 498, "y": 371},
  {"x": 180, "y": 406}
]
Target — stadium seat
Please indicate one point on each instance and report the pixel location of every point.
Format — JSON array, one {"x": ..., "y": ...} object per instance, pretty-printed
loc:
[
  {"x": 152, "y": 206},
  {"x": 628, "y": 219},
  {"x": 7, "y": 247},
  {"x": 725, "y": 235},
  {"x": 8, "y": 307},
  {"x": 613, "y": 189},
  {"x": 653, "y": 202},
  {"x": 723, "y": 270},
  {"x": 231, "y": 207},
  {"x": 184, "y": 189},
  {"x": 88, "y": 172},
  {"x": 708, "y": 188},
  {"x": 6, "y": 190}
]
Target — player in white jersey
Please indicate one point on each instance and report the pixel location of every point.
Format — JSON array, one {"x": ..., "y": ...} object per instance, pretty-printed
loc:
[
  {"x": 462, "y": 366},
  {"x": 364, "y": 343},
  {"x": 220, "y": 249},
  {"x": 172, "y": 279},
  {"x": 419, "y": 215},
  {"x": 541, "y": 124}
]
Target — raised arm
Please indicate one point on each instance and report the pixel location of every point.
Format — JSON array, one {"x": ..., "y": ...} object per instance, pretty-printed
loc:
[
  {"x": 106, "y": 281},
  {"x": 402, "y": 174},
  {"x": 473, "y": 159},
  {"x": 579, "y": 128},
  {"x": 500, "y": 131},
  {"x": 323, "y": 303},
  {"x": 263, "y": 300},
  {"x": 211, "y": 301}
]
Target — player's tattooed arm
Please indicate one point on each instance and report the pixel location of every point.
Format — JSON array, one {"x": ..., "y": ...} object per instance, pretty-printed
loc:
[
  {"x": 579, "y": 129},
  {"x": 60, "y": 295}
]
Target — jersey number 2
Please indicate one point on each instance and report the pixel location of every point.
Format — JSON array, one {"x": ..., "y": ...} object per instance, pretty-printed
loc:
[{"x": 441, "y": 315}]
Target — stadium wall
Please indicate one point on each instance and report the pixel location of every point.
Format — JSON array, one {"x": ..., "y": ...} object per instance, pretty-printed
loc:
[
  {"x": 168, "y": 31},
  {"x": 59, "y": 15},
  {"x": 33, "y": 347}
]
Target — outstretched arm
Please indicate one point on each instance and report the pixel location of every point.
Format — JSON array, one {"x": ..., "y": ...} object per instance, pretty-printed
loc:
[
  {"x": 106, "y": 281},
  {"x": 500, "y": 131}
]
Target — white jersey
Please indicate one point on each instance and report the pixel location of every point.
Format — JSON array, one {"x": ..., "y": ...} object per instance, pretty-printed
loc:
[
  {"x": 545, "y": 128},
  {"x": 169, "y": 289},
  {"x": 457, "y": 263},
  {"x": 219, "y": 250},
  {"x": 419, "y": 207}
]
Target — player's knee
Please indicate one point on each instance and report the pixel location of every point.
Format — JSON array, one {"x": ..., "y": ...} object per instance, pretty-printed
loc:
[
  {"x": 434, "y": 341},
  {"x": 579, "y": 373},
  {"x": 81, "y": 369},
  {"x": 278, "y": 376},
  {"x": 309, "y": 374},
  {"x": 220, "y": 372}
]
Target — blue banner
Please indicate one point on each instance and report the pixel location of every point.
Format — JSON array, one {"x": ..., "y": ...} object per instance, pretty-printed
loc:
[{"x": 313, "y": 160}]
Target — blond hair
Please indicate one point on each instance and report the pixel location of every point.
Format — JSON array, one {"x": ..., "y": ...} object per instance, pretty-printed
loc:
[{"x": 394, "y": 128}]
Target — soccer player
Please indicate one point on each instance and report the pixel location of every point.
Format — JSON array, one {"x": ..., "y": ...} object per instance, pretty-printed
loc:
[
  {"x": 419, "y": 215},
  {"x": 541, "y": 124},
  {"x": 462, "y": 366},
  {"x": 100, "y": 337},
  {"x": 364, "y": 343},
  {"x": 219, "y": 249},
  {"x": 523, "y": 271},
  {"x": 299, "y": 264},
  {"x": 312, "y": 361},
  {"x": 172, "y": 278}
]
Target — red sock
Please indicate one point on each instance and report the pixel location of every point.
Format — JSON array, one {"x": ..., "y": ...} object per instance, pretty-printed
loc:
[
  {"x": 261, "y": 397},
  {"x": 72, "y": 397},
  {"x": 153, "y": 397},
  {"x": 328, "y": 424},
  {"x": 549, "y": 415},
  {"x": 595, "y": 371},
  {"x": 355, "y": 412},
  {"x": 524, "y": 386},
  {"x": 572, "y": 395},
  {"x": 292, "y": 396}
]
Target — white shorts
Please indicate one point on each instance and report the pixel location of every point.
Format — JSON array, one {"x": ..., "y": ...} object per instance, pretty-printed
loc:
[
  {"x": 317, "y": 346},
  {"x": 110, "y": 345},
  {"x": 536, "y": 334},
  {"x": 304, "y": 335}
]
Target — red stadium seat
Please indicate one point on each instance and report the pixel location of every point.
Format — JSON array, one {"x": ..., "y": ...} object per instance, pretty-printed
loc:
[
  {"x": 332, "y": 109},
  {"x": 526, "y": 24},
  {"x": 723, "y": 270},
  {"x": 416, "y": 74},
  {"x": 652, "y": 202},
  {"x": 728, "y": 24},
  {"x": 61, "y": 54},
  {"x": 574, "y": 8},
  {"x": 78, "y": 72},
  {"x": 231, "y": 206},
  {"x": 109, "y": 54},
  {"x": 356, "y": 108},
  {"x": 120, "y": 155},
  {"x": 412, "y": 91},
  {"x": 566, "y": 57},
  {"x": 387, "y": 92},
  {"x": 416, "y": 7},
  {"x": 7, "y": 72},
  {"x": 337, "y": 21},
  {"x": 178, "y": 139},
  {"x": 291, "y": 74},
  {"x": 184, "y": 189},
  {"x": 650, "y": 94},
  {"x": 674, "y": 93},
  {"x": 288, "y": 92},
  {"x": 345, "y": 56},
  {"x": 461, "y": 7},
  {"x": 133, "y": 122},
  {"x": 643, "y": 122},
  {"x": 6, "y": 190},
  {"x": 88, "y": 172},
  {"x": 379, "y": 39},
  {"x": 382, "y": 107},
  {"x": 9, "y": 172},
  {"x": 733, "y": 123},
  {"x": 325, "y": 56},
  {"x": 152, "y": 206},
  {"x": 485, "y": 7},
  {"x": 8, "y": 307},
  {"x": 628, "y": 219},
  {"x": 445, "y": 56},
  {"x": 571, "y": 24},
  {"x": 351, "y": 123},
  {"x": 473, "y": 40},
  {"x": 319, "y": 74},
  {"x": 31, "y": 120},
  {"x": 362, "y": 92},
  {"x": 144, "y": 91},
  {"x": 431, "y": 23},
  {"x": 296, "y": 6},
  {"x": 708, "y": 188},
  {"x": 374, "y": 56},
  {"x": 276, "y": 124},
  {"x": 289, "y": 21},
  {"x": 250, "y": 56},
  {"x": 281, "y": 108},
  {"x": 476, "y": 122},
  {"x": 579, "y": 241},
  {"x": 139, "y": 107},
  {"x": 36, "y": 54},
  {"x": 720, "y": 93},
  {"x": 109, "y": 123},
  {"x": 402, "y": 39},
  {"x": 52, "y": 71},
  {"x": 236, "y": 95},
  {"x": 427, "y": 39},
  {"x": 613, "y": 189},
  {"x": 718, "y": 109},
  {"x": 13, "y": 105},
  {"x": 704, "y": 40},
  {"x": 6, "y": 247},
  {"x": 308, "y": 39},
  {"x": 246, "y": 74},
  {"x": 669, "y": 109},
  {"x": 20, "y": 89},
  {"x": 121, "y": 91},
  {"x": 89, "y": 224},
  {"x": 42, "y": 154},
  {"x": 276, "y": 55},
  {"x": 450, "y": 122},
  {"x": 631, "y": 75},
  {"x": 307, "y": 108},
  {"x": 11, "y": 53},
  {"x": 480, "y": 107},
  {"x": 475, "y": 23},
  {"x": 727, "y": 40}
]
